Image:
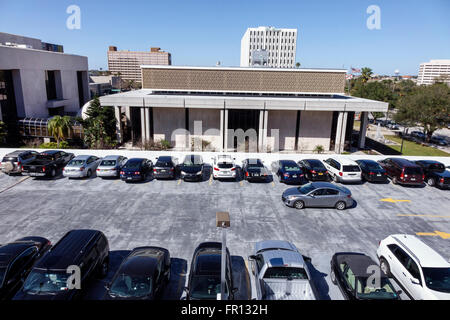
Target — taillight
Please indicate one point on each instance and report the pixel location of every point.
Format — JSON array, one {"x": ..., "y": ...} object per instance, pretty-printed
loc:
[
  {"x": 423, "y": 177},
  {"x": 154, "y": 170},
  {"x": 341, "y": 174},
  {"x": 349, "y": 196},
  {"x": 233, "y": 169},
  {"x": 385, "y": 173},
  {"x": 63, "y": 169},
  {"x": 121, "y": 172},
  {"x": 137, "y": 173},
  {"x": 172, "y": 169},
  {"x": 313, "y": 171},
  {"x": 81, "y": 168},
  {"x": 326, "y": 172},
  {"x": 216, "y": 169},
  {"x": 98, "y": 169},
  {"x": 43, "y": 169},
  {"x": 441, "y": 180},
  {"x": 246, "y": 174},
  {"x": 286, "y": 175},
  {"x": 402, "y": 175},
  {"x": 19, "y": 164},
  {"x": 371, "y": 173}
]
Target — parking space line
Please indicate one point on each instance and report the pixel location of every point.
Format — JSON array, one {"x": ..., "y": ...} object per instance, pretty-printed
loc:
[
  {"x": 179, "y": 182},
  {"x": 15, "y": 184},
  {"x": 241, "y": 183},
  {"x": 423, "y": 215},
  {"x": 273, "y": 184}
]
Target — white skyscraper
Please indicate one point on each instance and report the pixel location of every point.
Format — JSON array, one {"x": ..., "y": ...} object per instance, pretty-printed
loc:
[
  {"x": 430, "y": 71},
  {"x": 269, "y": 47}
]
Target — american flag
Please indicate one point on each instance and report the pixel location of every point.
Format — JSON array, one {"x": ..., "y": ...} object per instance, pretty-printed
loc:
[
  {"x": 348, "y": 76},
  {"x": 356, "y": 70}
]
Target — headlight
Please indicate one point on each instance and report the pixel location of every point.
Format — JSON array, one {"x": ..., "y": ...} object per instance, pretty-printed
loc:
[
  {"x": 198, "y": 173},
  {"x": 290, "y": 197},
  {"x": 183, "y": 173}
]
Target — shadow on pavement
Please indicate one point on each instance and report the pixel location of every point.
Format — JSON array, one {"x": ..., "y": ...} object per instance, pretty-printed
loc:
[
  {"x": 241, "y": 279},
  {"x": 178, "y": 274},
  {"x": 319, "y": 282}
]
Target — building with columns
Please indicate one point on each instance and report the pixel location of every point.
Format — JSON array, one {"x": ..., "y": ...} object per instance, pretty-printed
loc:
[{"x": 234, "y": 108}]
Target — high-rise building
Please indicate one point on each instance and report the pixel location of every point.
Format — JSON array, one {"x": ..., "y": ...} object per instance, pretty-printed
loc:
[
  {"x": 431, "y": 71},
  {"x": 128, "y": 63},
  {"x": 269, "y": 47}
]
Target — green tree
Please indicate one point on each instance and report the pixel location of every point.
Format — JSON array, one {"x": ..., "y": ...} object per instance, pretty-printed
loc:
[
  {"x": 366, "y": 74},
  {"x": 59, "y": 127},
  {"x": 426, "y": 105},
  {"x": 297, "y": 65}
]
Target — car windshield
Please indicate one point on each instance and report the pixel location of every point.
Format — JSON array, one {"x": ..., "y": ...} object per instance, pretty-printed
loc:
[
  {"x": 75, "y": 163},
  {"x": 126, "y": 285},
  {"x": 255, "y": 163},
  {"x": 285, "y": 273},
  {"x": 413, "y": 170},
  {"x": 437, "y": 279},
  {"x": 292, "y": 168},
  {"x": 46, "y": 282},
  {"x": 2, "y": 275},
  {"x": 225, "y": 165},
  {"x": 367, "y": 290},
  {"x": 163, "y": 164},
  {"x": 316, "y": 165},
  {"x": 108, "y": 163},
  {"x": 205, "y": 287},
  {"x": 437, "y": 167},
  {"x": 373, "y": 166},
  {"x": 307, "y": 188},
  {"x": 351, "y": 168},
  {"x": 191, "y": 161},
  {"x": 132, "y": 165}
]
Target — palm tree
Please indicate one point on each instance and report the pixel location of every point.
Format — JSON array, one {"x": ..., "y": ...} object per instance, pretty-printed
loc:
[
  {"x": 59, "y": 127},
  {"x": 366, "y": 74},
  {"x": 297, "y": 65}
]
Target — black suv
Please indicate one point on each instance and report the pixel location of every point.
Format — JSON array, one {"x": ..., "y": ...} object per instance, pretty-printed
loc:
[
  {"x": 435, "y": 173},
  {"x": 49, "y": 278},
  {"x": 314, "y": 170},
  {"x": 16, "y": 260}
]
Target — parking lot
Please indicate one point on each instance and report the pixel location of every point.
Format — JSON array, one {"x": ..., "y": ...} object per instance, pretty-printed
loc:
[{"x": 178, "y": 215}]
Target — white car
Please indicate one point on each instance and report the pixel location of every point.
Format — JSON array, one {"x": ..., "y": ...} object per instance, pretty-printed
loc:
[
  {"x": 420, "y": 270},
  {"x": 343, "y": 170},
  {"x": 224, "y": 167}
]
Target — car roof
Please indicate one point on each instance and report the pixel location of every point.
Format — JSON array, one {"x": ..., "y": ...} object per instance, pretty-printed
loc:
[
  {"x": 344, "y": 161},
  {"x": 141, "y": 261},
  {"x": 329, "y": 185},
  {"x": 67, "y": 250},
  {"x": 429, "y": 162},
  {"x": 313, "y": 161},
  {"x": 9, "y": 251},
  {"x": 358, "y": 263},
  {"x": 367, "y": 161},
  {"x": 165, "y": 158},
  {"x": 50, "y": 152},
  {"x": 136, "y": 159},
  {"x": 290, "y": 162},
  {"x": 17, "y": 153},
  {"x": 277, "y": 253},
  {"x": 404, "y": 162},
  {"x": 82, "y": 157},
  {"x": 425, "y": 254},
  {"x": 111, "y": 157}
]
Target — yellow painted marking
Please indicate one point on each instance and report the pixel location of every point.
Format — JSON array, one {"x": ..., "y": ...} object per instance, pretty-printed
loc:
[
  {"x": 179, "y": 181},
  {"x": 241, "y": 183},
  {"x": 443, "y": 235},
  {"x": 393, "y": 200},
  {"x": 423, "y": 215},
  {"x": 210, "y": 180},
  {"x": 273, "y": 184}
]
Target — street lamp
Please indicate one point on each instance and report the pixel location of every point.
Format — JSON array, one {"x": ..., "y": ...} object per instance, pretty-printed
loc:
[{"x": 223, "y": 221}]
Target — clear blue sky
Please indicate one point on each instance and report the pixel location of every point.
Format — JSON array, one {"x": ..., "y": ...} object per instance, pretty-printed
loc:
[{"x": 331, "y": 33}]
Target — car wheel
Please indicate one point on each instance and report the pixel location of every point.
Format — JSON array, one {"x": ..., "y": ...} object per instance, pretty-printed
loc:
[
  {"x": 89, "y": 173},
  {"x": 335, "y": 178},
  {"x": 431, "y": 182},
  {"x": 340, "y": 205},
  {"x": 384, "y": 265},
  {"x": 333, "y": 276},
  {"x": 299, "y": 204},
  {"x": 53, "y": 173},
  {"x": 394, "y": 180}
]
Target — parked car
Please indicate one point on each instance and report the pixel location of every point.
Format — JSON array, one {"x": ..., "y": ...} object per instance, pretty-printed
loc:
[
  {"x": 254, "y": 170},
  {"x": 224, "y": 167},
  {"x": 12, "y": 162},
  {"x": 165, "y": 167},
  {"x": 288, "y": 171},
  {"x": 314, "y": 170},
  {"x": 110, "y": 166},
  {"x": 136, "y": 169},
  {"x": 439, "y": 141},
  {"x": 192, "y": 168},
  {"x": 16, "y": 260},
  {"x": 48, "y": 280},
  {"x": 392, "y": 126},
  {"x": 343, "y": 170},
  {"x": 351, "y": 272},
  {"x": 81, "y": 166},
  {"x": 421, "y": 271},
  {"x": 142, "y": 275},
  {"x": 47, "y": 163},
  {"x": 418, "y": 134},
  {"x": 318, "y": 194},
  {"x": 280, "y": 272},
  {"x": 372, "y": 171},
  {"x": 435, "y": 173},
  {"x": 402, "y": 171},
  {"x": 205, "y": 273}
]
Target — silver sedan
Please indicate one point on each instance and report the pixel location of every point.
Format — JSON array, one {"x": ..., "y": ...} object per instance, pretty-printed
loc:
[
  {"x": 318, "y": 194},
  {"x": 81, "y": 166},
  {"x": 110, "y": 166}
]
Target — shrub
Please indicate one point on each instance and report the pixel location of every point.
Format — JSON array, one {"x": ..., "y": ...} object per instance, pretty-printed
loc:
[
  {"x": 154, "y": 145},
  {"x": 319, "y": 149},
  {"x": 54, "y": 145}
]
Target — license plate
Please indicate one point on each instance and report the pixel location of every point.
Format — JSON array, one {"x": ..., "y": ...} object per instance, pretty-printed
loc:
[
  {"x": 256, "y": 174},
  {"x": 129, "y": 178},
  {"x": 379, "y": 175},
  {"x": 413, "y": 179},
  {"x": 294, "y": 176},
  {"x": 320, "y": 174}
]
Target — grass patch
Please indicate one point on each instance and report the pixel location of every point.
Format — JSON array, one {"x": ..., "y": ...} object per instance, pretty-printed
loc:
[{"x": 413, "y": 149}]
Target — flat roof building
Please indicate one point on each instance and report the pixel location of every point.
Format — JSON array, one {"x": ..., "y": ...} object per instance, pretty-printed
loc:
[
  {"x": 434, "y": 70},
  {"x": 256, "y": 109},
  {"x": 127, "y": 63}
]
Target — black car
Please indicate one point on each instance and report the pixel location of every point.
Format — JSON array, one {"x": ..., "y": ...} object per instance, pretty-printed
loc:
[
  {"x": 288, "y": 171},
  {"x": 136, "y": 169},
  {"x": 192, "y": 168},
  {"x": 47, "y": 163},
  {"x": 142, "y": 275},
  {"x": 165, "y": 167},
  {"x": 254, "y": 170},
  {"x": 435, "y": 173},
  {"x": 314, "y": 170},
  {"x": 352, "y": 273},
  {"x": 16, "y": 260},
  {"x": 204, "y": 277},
  {"x": 49, "y": 279},
  {"x": 372, "y": 171}
]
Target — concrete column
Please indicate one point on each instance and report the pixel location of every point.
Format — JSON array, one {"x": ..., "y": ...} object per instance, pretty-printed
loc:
[
  {"x": 363, "y": 130},
  {"x": 118, "y": 113},
  {"x": 147, "y": 124},
  {"x": 225, "y": 125},
  {"x": 222, "y": 147},
  {"x": 264, "y": 142},
  {"x": 143, "y": 131},
  {"x": 260, "y": 131},
  {"x": 340, "y": 132}
]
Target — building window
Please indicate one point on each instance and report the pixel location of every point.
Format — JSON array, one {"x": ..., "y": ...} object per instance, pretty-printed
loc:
[{"x": 50, "y": 84}]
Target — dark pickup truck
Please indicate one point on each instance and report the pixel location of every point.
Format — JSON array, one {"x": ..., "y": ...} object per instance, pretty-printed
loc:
[
  {"x": 47, "y": 163},
  {"x": 435, "y": 173}
]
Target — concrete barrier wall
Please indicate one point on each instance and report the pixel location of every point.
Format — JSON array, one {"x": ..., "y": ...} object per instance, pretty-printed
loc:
[{"x": 268, "y": 158}]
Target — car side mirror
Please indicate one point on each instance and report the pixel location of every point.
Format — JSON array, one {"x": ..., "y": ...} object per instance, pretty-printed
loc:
[
  {"x": 251, "y": 258},
  {"x": 415, "y": 281}
]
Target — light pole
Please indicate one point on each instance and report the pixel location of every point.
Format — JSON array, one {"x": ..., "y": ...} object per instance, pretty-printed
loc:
[{"x": 223, "y": 221}]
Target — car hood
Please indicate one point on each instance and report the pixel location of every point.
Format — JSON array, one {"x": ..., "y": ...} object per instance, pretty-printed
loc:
[
  {"x": 191, "y": 169},
  {"x": 291, "y": 192}
]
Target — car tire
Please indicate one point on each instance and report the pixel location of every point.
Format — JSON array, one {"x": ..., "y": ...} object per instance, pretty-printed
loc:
[
  {"x": 340, "y": 205},
  {"x": 333, "y": 277},
  {"x": 384, "y": 265},
  {"x": 89, "y": 173},
  {"x": 394, "y": 180},
  {"x": 335, "y": 178},
  {"x": 299, "y": 204},
  {"x": 431, "y": 182},
  {"x": 53, "y": 173}
]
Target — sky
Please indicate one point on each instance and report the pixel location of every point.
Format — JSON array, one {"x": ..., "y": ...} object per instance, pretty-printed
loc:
[{"x": 331, "y": 34}]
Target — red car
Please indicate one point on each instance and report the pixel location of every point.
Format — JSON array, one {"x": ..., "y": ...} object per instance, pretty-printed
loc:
[{"x": 402, "y": 171}]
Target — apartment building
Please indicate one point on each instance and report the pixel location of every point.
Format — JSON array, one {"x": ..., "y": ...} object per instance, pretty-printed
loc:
[
  {"x": 430, "y": 71},
  {"x": 128, "y": 63},
  {"x": 269, "y": 47}
]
